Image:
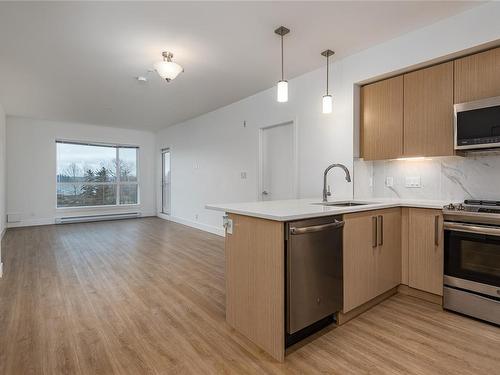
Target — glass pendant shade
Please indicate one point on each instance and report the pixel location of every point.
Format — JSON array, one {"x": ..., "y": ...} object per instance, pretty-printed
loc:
[
  {"x": 168, "y": 69},
  {"x": 282, "y": 91},
  {"x": 327, "y": 104}
]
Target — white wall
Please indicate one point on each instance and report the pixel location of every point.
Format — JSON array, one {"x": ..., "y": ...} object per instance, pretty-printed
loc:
[
  {"x": 210, "y": 151},
  {"x": 3, "y": 184},
  {"x": 31, "y": 167}
]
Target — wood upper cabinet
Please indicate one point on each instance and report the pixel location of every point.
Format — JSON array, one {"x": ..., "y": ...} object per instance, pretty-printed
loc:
[
  {"x": 425, "y": 250},
  {"x": 372, "y": 255},
  {"x": 428, "y": 111},
  {"x": 382, "y": 119},
  {"x": 477, "y": 76},
  {"x": 412, "y": 114}
]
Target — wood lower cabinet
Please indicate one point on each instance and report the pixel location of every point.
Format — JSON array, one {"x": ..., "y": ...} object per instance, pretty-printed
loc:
[
  {"x": 255, "y": 283},
  {"x": 382, "y": 119},
  {"x": 425, "y": 250},
  {"x": 477, "y": 76},
  {"x": 359, "y": 258},
  {"x": 372, "y": 255},
  {"x": 388, "y": 251},
  {"x": 428, "y": 111}
]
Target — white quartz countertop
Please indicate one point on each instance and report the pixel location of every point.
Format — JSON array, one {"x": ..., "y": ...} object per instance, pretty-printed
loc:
[{"x": 295, "y": 209}]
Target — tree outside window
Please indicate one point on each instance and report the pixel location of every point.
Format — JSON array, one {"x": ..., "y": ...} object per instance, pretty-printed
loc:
[{"x": 96, "y": 175}]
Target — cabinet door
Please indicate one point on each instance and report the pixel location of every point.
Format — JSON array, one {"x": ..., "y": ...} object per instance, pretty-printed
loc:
[
  {"x": 477, "y": 76},
  {"x": 388, "y": 252},
  {"x": 382, "y": 119},
  {"x": 428, "y": 111},
  {"x": 359, "y": 259},
  {"x": 425, "y": 250}
]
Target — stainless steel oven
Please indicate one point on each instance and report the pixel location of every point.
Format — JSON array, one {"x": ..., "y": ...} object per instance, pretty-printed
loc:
[
  {"x": 477, "y": 124},
  {"x": 472, "y": 264}
]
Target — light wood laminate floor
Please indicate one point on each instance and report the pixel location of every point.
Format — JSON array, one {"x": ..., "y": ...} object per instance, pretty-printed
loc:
[{"x": 147, "y": 297}]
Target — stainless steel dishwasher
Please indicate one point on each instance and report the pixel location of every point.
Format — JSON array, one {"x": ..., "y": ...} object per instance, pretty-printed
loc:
[{"x": 313, "y": 271}]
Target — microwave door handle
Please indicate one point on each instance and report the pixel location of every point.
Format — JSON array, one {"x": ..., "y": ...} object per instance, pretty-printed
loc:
[{"x": 468, "y": 228}]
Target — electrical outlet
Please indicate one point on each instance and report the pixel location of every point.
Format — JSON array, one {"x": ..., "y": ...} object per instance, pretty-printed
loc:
[
  {"x": 389, "y": 181},
  {"x": 227, "y": 223},
  {"x": 413, "y": 182},
  {"x": 243, "y": 175}
]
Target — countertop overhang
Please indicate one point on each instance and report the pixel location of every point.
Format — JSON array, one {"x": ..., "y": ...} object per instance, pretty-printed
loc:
[{"x": 296, "y": 209}]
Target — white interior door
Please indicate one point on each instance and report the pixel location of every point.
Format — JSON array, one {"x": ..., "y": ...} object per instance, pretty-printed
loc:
[
  {"x": 278, "y": 165},
  {"x": 165, "y": 195}
]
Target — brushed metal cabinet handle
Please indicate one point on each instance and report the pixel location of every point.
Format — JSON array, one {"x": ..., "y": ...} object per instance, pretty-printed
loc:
[
  {"x": 380, "y": 235},
  {"x": 374, "y": 231},
  {"x": 436, "y": 230}
]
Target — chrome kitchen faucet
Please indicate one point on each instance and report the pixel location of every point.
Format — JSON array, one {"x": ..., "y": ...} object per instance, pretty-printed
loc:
[{"x": 326, "y": 191}]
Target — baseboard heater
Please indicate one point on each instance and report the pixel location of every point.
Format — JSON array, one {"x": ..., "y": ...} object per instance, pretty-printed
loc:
[{"x": 87, "y": 218}]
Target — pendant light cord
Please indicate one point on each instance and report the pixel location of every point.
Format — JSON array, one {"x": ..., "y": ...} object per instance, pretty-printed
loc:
[
  {"x": 282, "y": 74},
  {"x": 327, "y": 73}
]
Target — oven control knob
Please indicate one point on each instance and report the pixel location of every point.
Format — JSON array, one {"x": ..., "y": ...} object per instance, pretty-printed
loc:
[
  {"x": 450, "y": 206},
  {"x": 461, "y": 207}
]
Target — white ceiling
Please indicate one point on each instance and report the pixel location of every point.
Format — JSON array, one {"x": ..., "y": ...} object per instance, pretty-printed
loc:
[{"x": 76, "y": 61}]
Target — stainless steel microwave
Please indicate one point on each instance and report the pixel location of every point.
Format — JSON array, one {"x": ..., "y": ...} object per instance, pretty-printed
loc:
[{"x": 477, "y": 124}]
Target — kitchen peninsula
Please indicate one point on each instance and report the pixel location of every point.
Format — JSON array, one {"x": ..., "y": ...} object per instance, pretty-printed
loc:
[{"x": 385, "y": 244}]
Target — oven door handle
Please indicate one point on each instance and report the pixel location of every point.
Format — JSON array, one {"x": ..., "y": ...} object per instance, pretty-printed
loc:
[{"x": 468, "y": 228}]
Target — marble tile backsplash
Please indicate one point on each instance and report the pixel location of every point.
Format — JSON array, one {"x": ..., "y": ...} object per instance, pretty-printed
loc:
[{"x": 445, "y": 178}]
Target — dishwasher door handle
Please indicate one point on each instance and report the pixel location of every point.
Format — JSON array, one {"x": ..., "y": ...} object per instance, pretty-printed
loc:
[{"x": 317, "y": 228}]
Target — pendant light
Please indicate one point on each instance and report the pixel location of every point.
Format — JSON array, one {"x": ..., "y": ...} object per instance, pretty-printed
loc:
[
  {"x": 282, "y": 84},
  {"x": 327, "y": 99},
  {"x": 167, "y": 69}
]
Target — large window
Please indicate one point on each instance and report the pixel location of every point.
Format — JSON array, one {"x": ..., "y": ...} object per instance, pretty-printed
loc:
[{"x": 96, "y": 175}]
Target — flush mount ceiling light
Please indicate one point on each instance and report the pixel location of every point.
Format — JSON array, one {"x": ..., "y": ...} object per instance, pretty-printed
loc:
[
  {"x": 327, "y": 99},
  {"x": 282, "y": 84},
  {"x": 167, "y": 69}
]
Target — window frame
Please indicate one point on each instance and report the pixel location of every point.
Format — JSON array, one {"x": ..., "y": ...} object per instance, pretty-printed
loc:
[{"x": 118, "y": 183}]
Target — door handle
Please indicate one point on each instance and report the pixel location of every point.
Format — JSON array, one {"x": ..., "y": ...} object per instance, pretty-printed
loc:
[
  {"x": 436, "y": 230},
  {"x": 374, "y": 231},
  {"x": 380, "y": 235}
]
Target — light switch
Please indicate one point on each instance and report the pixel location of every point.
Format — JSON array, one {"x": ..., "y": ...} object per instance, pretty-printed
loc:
[
  {"x": 243, "y": 175},
  {"x": 413, "y": 182}
]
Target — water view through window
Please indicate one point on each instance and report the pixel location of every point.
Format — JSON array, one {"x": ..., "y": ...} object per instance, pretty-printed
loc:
[{"x": 96, "y": 175}]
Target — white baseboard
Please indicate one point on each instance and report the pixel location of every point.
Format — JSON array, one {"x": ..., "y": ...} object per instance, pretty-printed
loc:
[
  {"x": 194, "y": 224},
  {"x": 163, "y": 216},
  {"x": 31, "y": 223}
]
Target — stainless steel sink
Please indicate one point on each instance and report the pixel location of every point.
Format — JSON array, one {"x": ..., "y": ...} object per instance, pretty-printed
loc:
[{"x": 343, "y": 204}]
